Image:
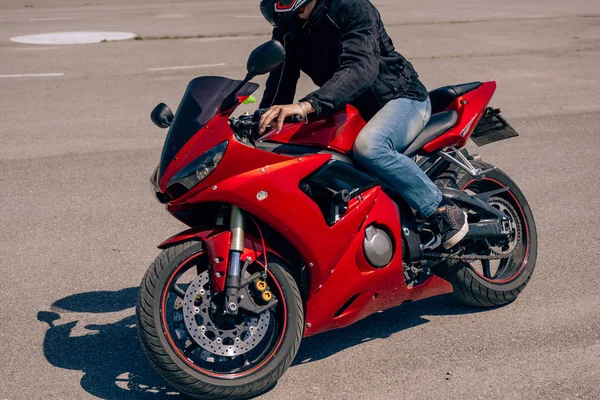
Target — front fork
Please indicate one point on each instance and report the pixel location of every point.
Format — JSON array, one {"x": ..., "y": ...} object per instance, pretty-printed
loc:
[
  {"x": 236, "y": 248},
  {"x": 236, "y": 291}
]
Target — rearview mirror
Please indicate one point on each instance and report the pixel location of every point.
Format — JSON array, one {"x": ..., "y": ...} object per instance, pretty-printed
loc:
[
  {"x": 265, "y": 58},
  {"x": 162, "y": 116}
]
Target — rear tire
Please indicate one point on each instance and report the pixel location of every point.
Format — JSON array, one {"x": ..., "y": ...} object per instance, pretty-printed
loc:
[
  {"x": 471, "y": 287},
  {"x": 189, "y": 381}
]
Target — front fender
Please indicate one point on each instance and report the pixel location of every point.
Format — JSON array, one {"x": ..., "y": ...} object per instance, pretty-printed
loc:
[
  {"x": 197, "y": 233},
  {"x": 217, "y": 241}
]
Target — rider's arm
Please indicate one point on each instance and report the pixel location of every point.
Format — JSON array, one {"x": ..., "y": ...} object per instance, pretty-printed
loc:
[
  {"x": 359, "y": 61},
  {"x": 281, "y": 84}
]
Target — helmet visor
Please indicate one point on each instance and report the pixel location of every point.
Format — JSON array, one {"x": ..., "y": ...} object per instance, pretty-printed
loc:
[{"x": 288, "y": 5}]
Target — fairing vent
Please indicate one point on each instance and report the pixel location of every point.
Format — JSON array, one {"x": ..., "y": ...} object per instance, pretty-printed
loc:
[{"x": 347, "y": 304}]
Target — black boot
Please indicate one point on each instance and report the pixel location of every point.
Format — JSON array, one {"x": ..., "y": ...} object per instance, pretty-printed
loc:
[{"x": 450, "y": 221}]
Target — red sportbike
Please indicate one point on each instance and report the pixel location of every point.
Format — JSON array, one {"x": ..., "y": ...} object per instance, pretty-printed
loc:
[{"x": 289, "y": 238}]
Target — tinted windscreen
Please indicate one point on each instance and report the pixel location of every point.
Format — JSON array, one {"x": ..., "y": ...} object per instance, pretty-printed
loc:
[{"x": 199, "y": 105}]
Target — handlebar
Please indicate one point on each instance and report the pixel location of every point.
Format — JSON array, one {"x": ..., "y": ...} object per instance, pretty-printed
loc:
[
  {"x": 294, "y": 119},
  {"x": 248, "y": 125}
]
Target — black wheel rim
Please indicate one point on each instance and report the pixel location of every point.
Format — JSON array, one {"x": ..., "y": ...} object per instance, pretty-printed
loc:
[{"x": 507, "y": 269}]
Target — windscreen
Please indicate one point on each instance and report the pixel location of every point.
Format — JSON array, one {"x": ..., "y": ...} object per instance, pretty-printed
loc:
[{"x": 199, "y": 105}]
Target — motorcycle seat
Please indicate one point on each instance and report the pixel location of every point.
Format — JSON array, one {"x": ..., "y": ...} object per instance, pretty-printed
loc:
[
  {"x": 438, "y": 125},
  {"x": 441, "y": 98}
]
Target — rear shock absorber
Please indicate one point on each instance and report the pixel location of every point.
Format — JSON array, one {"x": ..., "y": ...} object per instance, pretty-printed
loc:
[{"x": 236, "y": 248}]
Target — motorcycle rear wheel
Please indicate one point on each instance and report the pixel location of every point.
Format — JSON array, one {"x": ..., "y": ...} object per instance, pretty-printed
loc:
[
  {"x": 199, "y": 373},
  {"x": 474, "y": 282}
]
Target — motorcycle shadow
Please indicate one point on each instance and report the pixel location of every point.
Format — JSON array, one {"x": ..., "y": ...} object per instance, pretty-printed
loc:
[
  {"x": 378, "y": 326},
  {"x": 108, "y": 353},
  {"x": 114, "y": 366}
]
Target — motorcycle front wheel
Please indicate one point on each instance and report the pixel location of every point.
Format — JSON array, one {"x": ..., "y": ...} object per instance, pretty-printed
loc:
[{"x": 200, "y": 351}]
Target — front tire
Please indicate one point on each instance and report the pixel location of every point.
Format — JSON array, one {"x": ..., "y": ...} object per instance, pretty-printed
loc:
[
  {"x": 192, "y": 374},
  {"x": 477, "y": 286}
]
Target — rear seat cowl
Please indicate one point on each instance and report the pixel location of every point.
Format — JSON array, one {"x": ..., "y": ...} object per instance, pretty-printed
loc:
[{"x": 442, "y": 97}]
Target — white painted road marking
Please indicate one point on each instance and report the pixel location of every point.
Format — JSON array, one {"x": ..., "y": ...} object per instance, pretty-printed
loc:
[
  {"x": 187, "y": 67},
  {"x": 73, "y": 37},
  {"x": 31, "y": 75}
]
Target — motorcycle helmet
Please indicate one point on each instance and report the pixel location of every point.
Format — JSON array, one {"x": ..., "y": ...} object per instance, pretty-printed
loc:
[{"x": 278, "y": 11}]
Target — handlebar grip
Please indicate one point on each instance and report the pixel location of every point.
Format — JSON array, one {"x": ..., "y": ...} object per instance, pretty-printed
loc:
[
  {"x": 259, "y": 113},
  {"x": 294, "y": 119}
]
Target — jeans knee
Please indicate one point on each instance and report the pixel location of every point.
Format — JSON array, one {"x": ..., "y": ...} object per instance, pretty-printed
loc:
[{"x": 365, "y": 150}]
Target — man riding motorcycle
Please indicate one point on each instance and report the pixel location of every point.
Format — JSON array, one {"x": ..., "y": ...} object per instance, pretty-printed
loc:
[
  {"x": 343, "y": 47},
  {"x": 287, "y": 239}
]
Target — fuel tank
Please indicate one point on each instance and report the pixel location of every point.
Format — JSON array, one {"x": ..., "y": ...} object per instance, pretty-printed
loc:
[{"x": 335, "y": 132}]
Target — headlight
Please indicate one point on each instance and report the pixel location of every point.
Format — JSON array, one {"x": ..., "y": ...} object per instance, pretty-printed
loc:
[{"x": 200, "y": 168}]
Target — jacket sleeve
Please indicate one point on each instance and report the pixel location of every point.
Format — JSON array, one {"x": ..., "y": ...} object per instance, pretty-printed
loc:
[
  {"x": 359, "y": 58},
  {"x": 281, "y": 84}
]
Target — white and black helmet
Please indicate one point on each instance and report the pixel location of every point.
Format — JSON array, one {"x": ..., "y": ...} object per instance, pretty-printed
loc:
[{"x": 277, "y": 11}]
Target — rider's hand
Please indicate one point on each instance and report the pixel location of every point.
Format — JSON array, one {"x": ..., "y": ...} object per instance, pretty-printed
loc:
[{"x": 279, "y": 113}]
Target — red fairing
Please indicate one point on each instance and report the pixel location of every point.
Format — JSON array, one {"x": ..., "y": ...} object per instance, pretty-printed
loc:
[
  {"x": 198, "y": 144},
  {"x": 238, "y": 159},
  {"x": 338, "y": 271},
  {"x": 337, "y": 132},
  {"x": 352, "y": 275},
  {"x": 470, "y": 108}
]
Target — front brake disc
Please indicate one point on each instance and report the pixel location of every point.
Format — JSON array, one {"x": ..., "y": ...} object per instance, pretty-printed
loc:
[{"x": 200, "y": 325}]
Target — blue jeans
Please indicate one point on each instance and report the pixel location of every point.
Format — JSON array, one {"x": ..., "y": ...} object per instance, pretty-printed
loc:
[{"x": 378, "y": 150}]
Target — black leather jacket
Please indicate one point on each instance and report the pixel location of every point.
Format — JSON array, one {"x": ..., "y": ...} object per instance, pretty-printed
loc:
[{"x": 345, "y": 50}]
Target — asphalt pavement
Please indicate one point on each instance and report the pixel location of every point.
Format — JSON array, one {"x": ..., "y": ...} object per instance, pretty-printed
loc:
[{"x": 80, "y": 226}]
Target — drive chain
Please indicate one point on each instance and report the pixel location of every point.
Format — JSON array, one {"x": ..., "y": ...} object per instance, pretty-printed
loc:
[{"x": 450, "y": 256}]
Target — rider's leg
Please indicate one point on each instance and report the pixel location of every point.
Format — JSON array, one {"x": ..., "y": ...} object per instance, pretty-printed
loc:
[{"x": 377, "y": 149}]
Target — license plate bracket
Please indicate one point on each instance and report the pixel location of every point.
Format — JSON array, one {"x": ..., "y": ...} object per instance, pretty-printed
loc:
[{"x": 492, "y": 128}]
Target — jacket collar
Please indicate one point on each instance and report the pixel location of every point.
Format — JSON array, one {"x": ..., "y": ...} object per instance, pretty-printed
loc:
[{"x": 317, "y": 13}]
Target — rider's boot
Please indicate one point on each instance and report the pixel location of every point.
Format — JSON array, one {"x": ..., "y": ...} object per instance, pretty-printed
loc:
[{"x": 449, "y": 221}]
